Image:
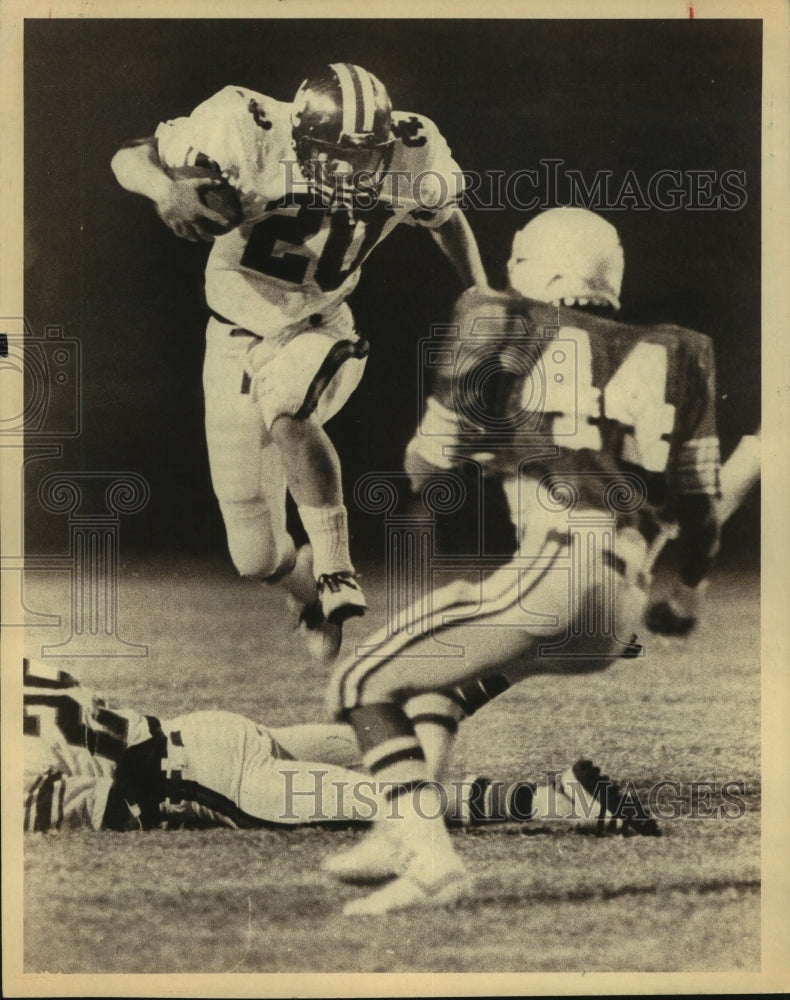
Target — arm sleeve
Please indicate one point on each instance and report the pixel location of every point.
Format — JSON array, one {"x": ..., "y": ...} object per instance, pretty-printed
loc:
[
  {"x": 478, "y": 316},
  {"x": 208, "y": 135},
  {"x": 58, "y": 800},
  {"x": 697, "y": 474},
  {"x": 439, "y": 181}
]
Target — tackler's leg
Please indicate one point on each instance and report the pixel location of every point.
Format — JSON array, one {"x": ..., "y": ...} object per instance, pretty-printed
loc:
[{"x": 469, "y": 632}]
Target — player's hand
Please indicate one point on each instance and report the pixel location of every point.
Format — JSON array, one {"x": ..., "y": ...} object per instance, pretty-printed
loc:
[
  {"x": 182, "y": 209},
  {"x": 676, "y": 614}
]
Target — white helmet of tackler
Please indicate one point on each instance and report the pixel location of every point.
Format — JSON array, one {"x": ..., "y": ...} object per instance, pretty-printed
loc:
[{"x": 568, "y": 255}]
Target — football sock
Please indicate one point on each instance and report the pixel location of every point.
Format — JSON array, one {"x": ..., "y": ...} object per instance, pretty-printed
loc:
[
  {"x": 327, "y": 529},
  {"x": 435, "y": 718},
  {"x": 388, "y": 744}
]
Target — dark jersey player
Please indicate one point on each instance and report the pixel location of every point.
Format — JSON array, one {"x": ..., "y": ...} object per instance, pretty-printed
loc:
[{"x": 603, "y": 434}]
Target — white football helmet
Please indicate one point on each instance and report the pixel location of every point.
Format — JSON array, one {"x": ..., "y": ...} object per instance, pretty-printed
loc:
[{"x": 570, "y": 256}]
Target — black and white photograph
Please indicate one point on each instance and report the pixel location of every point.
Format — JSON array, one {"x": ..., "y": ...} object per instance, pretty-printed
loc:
[{"x": 391, "y": 599}]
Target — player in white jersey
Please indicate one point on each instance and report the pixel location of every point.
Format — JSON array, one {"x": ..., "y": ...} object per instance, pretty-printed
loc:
[
  {"x": 89, "y": 765},
  {"x": 602, "y": 434},
  {"x": 309, "y": 188}
]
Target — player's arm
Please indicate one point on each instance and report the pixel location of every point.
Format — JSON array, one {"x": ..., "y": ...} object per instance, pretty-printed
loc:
[
  {"x": 696, "y": 474},
  {"x": 433, "y": 447},
  {"x": 701, "y": 516},
  {"x": 740, "y": 474},
  {"x": 457, "y": 242},
  {"x": 438, "y": 195},
  {"x": 138, "y": 168}
]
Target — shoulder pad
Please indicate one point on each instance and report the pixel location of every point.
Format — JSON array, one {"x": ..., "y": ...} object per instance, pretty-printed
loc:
[{"x": 418, "y": 142}]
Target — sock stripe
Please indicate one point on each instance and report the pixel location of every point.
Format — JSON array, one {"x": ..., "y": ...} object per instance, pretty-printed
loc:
[
  {"x": 445, "y": 721},
  {"x": 413, "y": 753},
  {"x": 387, "y": 747}
]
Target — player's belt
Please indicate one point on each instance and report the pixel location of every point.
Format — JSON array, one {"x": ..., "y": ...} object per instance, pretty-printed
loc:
[{"x": 314, "y": 319}]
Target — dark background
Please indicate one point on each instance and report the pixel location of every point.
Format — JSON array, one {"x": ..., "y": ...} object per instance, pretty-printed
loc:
[{"x": 600, "y": 95}]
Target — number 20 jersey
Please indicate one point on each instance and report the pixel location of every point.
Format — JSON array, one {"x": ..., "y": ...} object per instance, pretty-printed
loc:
[
  {"x": 571, "y": 399},
  {"x": 292, "y": 257}
]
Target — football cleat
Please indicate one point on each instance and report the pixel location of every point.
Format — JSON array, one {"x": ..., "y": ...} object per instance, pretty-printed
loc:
[
  {"x": 598, "y": 805},
  {"x": 420, "y": 886},
  {"x": 341, "y": 597},
  {"x": 322, "y": 638},
  {"x": 375, "y": 858}
]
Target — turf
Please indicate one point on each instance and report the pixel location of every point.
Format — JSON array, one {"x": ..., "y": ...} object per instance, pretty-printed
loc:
[{"x": 548, "y": 900}]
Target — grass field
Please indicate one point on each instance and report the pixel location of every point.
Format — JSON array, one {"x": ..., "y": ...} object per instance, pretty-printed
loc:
[{"x": 549, "y": 900}]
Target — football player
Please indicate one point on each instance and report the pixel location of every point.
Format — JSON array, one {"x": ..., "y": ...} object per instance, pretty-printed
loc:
[
  {"x": 294, "y": 196},
  {"x": 88, "y": 765},
  {"x": 603, "y": 434}
]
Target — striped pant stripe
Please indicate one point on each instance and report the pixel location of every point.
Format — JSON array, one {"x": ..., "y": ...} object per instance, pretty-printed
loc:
[{"x": 455, "y": 613}]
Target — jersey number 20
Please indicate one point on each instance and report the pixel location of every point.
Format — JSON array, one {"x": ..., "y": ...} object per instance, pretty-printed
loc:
[{"x": 278, "y": 245}]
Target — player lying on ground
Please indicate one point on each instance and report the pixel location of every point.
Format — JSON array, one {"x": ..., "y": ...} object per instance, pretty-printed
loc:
[
  {"x": 603, "y": 434},
  {"x": 302, "y": 192},
  {"x": 90, "y": 766}
]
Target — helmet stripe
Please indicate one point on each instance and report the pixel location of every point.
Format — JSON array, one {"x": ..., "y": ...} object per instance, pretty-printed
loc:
[
  {"x": 348, "y": 97},
  {"x": 368, "y": 99}
]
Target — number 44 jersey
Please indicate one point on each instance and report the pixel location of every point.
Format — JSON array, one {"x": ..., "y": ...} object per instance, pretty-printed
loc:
[
  {"x": 292, "y": 257},
  {"x": 620, "y": 417}
]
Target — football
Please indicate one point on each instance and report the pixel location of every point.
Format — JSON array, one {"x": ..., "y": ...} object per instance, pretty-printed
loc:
[{"x": 223, "y": 198}]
